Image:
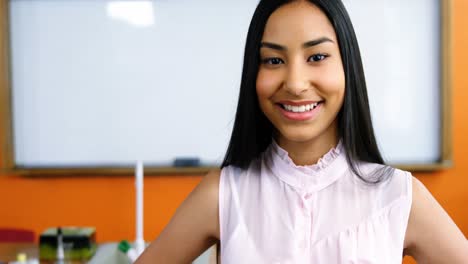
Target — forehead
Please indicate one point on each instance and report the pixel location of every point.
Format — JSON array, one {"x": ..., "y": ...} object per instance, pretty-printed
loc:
[{"x": 299, "y": 20}]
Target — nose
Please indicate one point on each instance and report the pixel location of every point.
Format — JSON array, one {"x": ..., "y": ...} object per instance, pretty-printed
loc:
[{"x": 297, "y": 80}]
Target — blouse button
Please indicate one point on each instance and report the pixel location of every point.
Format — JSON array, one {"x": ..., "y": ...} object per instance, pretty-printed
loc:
[{"x": 308, "y": 196}]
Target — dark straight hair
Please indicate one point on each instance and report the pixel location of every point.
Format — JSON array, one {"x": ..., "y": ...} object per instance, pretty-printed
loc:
[{"x": 252, "y": 132}]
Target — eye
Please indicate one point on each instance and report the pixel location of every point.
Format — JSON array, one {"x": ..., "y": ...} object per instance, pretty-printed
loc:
[
  {"x": 272, "y": 61},
  {"x": 317, "y": 57}
]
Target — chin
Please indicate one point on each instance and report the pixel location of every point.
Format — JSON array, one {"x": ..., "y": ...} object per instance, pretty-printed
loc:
[{"x": 302, "y": 135}]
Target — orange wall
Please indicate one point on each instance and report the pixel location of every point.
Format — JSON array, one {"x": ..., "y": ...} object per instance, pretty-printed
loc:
[{"x": 107, "y": 203}]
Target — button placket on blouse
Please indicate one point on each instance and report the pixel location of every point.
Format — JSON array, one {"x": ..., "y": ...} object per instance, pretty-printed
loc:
[
  {"x": 305, "y": 204},
  {"x": 305, "y": 220}
]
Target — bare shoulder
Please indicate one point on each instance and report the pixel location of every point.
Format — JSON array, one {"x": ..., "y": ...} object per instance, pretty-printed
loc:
[
  {"x": 193, "y": 228},
  {"x": 209, "y": 186},
  {"x": 204, "y": 201},
  {"x": 432, "y": 236},
  {"x": 207, "y": 196}
]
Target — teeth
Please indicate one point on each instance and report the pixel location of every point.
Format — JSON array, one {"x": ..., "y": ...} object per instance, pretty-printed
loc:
[{"x": 300, "y": 109}]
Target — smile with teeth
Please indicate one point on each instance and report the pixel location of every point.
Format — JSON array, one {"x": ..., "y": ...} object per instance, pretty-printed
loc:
[{"x": 300, "y": 108}]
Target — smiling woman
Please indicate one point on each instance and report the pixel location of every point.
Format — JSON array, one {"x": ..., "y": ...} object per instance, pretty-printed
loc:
[
  {"x": 301, "y": 53},
  {"x": 301, "y": 70},
  {"x": 303, "y": 180}
]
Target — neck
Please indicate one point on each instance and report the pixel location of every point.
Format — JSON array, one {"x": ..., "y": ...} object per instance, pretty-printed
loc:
[{"x": 308, "y": 152}]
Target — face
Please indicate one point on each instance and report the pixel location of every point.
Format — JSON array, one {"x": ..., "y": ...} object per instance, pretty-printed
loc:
[{"x": 300, "y": 83}]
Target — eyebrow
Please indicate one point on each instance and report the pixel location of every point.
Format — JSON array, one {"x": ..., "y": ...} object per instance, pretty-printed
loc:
[{"x": 307, "y": 44}]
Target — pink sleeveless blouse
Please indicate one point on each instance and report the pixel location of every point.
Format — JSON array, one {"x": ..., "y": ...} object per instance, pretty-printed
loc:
[{"x": 277, "y": 212}]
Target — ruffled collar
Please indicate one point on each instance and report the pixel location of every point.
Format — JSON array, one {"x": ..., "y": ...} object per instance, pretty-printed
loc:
[{"x": 312, "y": 178}]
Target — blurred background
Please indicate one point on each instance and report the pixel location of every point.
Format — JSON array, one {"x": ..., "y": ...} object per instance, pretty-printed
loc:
[{"x": 107, "y": 203}]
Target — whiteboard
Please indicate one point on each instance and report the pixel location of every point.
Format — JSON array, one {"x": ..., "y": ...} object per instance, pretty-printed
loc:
[{"x": 106, "y": 83}]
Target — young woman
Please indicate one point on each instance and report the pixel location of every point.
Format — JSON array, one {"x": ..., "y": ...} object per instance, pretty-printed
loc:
[{"x": 303, "y": 180}]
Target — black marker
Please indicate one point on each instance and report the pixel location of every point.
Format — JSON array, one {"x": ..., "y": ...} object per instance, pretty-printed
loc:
[{"x": 187, "y": 162}]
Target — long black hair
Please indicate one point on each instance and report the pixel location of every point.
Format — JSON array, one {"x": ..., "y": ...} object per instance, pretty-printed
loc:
[{"x": 252, "y": 132}]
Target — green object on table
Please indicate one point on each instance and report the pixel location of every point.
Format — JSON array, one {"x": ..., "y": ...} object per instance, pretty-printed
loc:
[
  {"x": 79, "y": 243},
  {"x": 124, "y": 246}
]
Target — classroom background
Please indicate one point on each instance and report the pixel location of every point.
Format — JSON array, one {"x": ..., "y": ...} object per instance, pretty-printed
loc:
[{"x": 107, "y": 203}]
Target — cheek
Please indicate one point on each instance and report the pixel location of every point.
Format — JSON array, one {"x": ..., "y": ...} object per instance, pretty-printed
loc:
[
  {"x": 333, "y": 83},
  {"x": 267, "y": 83},
  {"x": 335, "y": 86}
]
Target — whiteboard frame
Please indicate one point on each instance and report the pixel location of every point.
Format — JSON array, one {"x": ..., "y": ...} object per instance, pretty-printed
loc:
[{"x": 8, "y": 165}]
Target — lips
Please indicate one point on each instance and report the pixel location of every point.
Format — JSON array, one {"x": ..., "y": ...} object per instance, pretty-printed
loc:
[
  {"x": 300, "y": 111},
  {"x": 300, "y": 108}
]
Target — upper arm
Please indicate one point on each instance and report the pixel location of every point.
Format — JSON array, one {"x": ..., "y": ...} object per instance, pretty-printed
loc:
[
  {"x": 193, "y": 228},
  {"x": 432, "y": 236}
]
